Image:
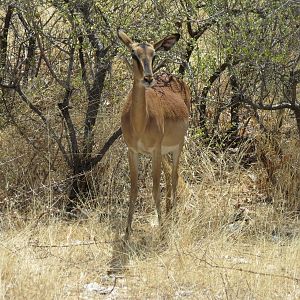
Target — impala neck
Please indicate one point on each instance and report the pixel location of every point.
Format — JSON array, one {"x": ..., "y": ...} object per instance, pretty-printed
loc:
[{"x": 138, "y": 107}]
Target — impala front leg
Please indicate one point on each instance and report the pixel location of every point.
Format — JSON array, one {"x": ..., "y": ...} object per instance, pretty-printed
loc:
[
  {"x": 156, "y": 173},
  {"x": 133, "y": 167}
]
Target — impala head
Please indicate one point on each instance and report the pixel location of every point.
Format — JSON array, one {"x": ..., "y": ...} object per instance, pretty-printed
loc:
[{"x": 143, "y": 55}]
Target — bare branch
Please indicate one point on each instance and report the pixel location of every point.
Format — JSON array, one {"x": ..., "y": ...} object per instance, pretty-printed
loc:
[
  {"x": 45, "y": 122},
  {"x": 104, "y": 149},
  {"x": 278, "y": 106}
]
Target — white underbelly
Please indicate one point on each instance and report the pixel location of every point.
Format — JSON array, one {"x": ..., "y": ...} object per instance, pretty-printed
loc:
[
  {"x": 141, "y": 148},
  {"x": 168, "y": 149}
]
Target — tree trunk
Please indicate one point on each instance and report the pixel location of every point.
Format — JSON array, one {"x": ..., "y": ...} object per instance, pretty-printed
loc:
[
  {"x": 30, "y": 60},
  {"x": 94, "y": 99},
  {"x": 79, "y": 184},
  {"x": 235, "y": 101},
  {"x": 3, "y": 40},
  {"x": 202, "y": 103},
  {"x": 294, "y": 80},
  {"x": 78, "y": 187},
  {"x": 297, "y": 116}
]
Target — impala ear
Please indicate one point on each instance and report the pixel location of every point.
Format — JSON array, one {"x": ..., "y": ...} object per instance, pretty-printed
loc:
[
  {"x": 124, "y": 38},
  {"x": 167, "y": 43}
]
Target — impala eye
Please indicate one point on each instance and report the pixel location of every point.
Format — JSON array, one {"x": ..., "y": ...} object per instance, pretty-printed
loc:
[{"x": 133, "y": 55}]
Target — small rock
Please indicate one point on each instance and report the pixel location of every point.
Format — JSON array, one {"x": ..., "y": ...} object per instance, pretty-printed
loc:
[
  {"x": 183, "y": 293},
  {"x": 95, "y": 287}
]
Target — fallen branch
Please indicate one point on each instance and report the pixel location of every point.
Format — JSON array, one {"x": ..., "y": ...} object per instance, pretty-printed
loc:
[
  {"x": 74, "y": 244},
  {"x": 216, "y": 266}
]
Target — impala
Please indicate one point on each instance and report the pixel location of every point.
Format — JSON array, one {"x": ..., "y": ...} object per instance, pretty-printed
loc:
[{"x": 154, "y": 120}]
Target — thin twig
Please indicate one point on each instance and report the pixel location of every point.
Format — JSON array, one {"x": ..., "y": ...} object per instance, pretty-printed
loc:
[
  {"x": 113, "y": 287},
  {"x": 46, "y": 60}
]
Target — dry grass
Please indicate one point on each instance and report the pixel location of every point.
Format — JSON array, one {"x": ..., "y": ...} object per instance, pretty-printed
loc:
[
  {"x": 58, "y": 260},
  {"x": 227, "y": 242}
]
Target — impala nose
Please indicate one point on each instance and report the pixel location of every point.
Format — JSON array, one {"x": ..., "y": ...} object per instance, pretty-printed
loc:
[{"x": 148, "y": 78}]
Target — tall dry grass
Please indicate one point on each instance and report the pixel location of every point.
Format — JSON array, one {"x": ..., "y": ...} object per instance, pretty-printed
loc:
[{"x": 236, "y": 234}]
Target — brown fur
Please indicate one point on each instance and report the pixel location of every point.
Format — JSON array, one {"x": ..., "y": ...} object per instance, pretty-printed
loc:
[
  {"x": 170, "y": 96},
  {"x": 154, "y": 120}
]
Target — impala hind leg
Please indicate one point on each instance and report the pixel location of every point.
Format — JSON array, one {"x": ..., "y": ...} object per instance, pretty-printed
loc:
[
  {"x": 133, "y": 167},
  {"x": 168, "y": 178},
  {"x": 176, "y": 157}
]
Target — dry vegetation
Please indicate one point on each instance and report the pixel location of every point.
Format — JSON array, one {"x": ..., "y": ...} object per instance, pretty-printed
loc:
[
  {"x": 232, "y": 239},
  {"x": 236, "y": 232}
]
